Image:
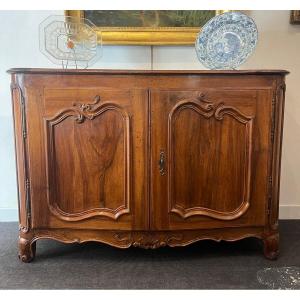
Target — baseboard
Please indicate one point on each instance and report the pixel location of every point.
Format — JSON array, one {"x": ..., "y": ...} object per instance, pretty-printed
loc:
[
  {"x": 285, "y": 212},
  {"x": 289, "y": 212}
]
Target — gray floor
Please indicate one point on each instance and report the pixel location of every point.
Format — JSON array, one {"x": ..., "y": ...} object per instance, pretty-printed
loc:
[{"x": 203, "y": 265}]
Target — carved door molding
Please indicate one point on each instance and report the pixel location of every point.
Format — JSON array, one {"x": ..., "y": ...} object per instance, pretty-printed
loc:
[
  {"x": 207, "y": 109},
  {"x": 81, "y": 113}
]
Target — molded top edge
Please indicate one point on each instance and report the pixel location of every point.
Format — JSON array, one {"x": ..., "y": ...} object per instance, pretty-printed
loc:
[{"x": 144, "y": 72}]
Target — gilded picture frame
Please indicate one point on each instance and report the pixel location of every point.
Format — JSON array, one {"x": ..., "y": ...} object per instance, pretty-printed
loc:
[
  {"x": 295, "y": 17},
  {"x": 144, "y": 35}
]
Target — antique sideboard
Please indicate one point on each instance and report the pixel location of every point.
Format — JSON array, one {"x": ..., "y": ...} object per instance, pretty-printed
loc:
[{"x": 147, "y": 158}]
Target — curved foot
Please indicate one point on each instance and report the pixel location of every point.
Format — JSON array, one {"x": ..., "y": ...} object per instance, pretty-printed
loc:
[
  {"x": 27, "y": 250},
  {"x": 271, "y": 246}
]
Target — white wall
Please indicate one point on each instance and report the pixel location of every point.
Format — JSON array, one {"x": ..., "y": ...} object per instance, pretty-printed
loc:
[
  {"x": 19, "y": 47},
  {"x": 278, "y": 47}
]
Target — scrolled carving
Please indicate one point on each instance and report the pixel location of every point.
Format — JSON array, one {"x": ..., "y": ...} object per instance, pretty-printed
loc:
[
  {"x": 204, "y": 102},
  {"x": 149, "y": 244},
  {"x": 86, "y": 110},
  {"x": 222, "y": 110},
  {"x": 87, "y": 107},
  {"x": 149, "y": 240},
  {"x": 199, "y": 103},
  {"x": 122, "y": 237},
  {"x": 282, "y": 87}
]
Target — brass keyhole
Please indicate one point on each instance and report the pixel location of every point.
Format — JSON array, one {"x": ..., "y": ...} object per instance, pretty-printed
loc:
[{"x": 162, "y": 162}]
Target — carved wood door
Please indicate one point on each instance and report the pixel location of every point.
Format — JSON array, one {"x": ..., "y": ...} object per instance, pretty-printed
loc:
[
  {"x": 207, "y": 168},
  {"x": 94, "y": 159}
]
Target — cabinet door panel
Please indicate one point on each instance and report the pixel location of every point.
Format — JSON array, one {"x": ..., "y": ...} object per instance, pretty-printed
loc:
[
  {"x": 90, "y": 164},
  {"x": 95, "y": 148},
  {"x": 212, "y": 143}
]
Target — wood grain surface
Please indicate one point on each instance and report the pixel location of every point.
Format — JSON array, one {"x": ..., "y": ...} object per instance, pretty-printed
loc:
[{"x": 148, "y": 158}]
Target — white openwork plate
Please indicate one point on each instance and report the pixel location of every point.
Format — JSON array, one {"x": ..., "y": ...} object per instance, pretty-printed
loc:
[{"x": 66, "y": 41}]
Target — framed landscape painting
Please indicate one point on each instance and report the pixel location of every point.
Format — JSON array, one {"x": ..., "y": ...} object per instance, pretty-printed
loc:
[
  {"x": 146, "y": 27},
  {"x": 295, "y": 17}
]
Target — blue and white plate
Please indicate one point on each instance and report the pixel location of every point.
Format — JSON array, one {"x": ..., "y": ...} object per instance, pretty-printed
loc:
[{"x": 226, "y": 41}]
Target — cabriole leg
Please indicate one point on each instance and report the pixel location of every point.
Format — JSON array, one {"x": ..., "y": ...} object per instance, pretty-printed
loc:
[
  {"x": 27, "y": 250},
  {"x": 271, "y": 246}
]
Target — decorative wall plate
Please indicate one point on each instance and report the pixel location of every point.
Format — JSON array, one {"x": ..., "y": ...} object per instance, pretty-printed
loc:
[
  {"x": 66, "y": 42},
  {"x": 226, "y": 41}
]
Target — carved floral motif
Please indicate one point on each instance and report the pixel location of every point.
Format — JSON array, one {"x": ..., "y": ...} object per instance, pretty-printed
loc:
[
  {"x": 86, "y": 110},
  {"x": 149, "y": 240}
]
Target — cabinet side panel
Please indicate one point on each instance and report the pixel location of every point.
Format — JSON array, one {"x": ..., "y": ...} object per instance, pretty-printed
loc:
[
  {"x": 36, "y": 159},
  {"x": 277, "y": 131},
  {"x": 18, "y": 115}
]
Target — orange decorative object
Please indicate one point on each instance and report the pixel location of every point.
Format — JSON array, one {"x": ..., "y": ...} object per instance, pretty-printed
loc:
[{"x": 70, "y": 44}]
